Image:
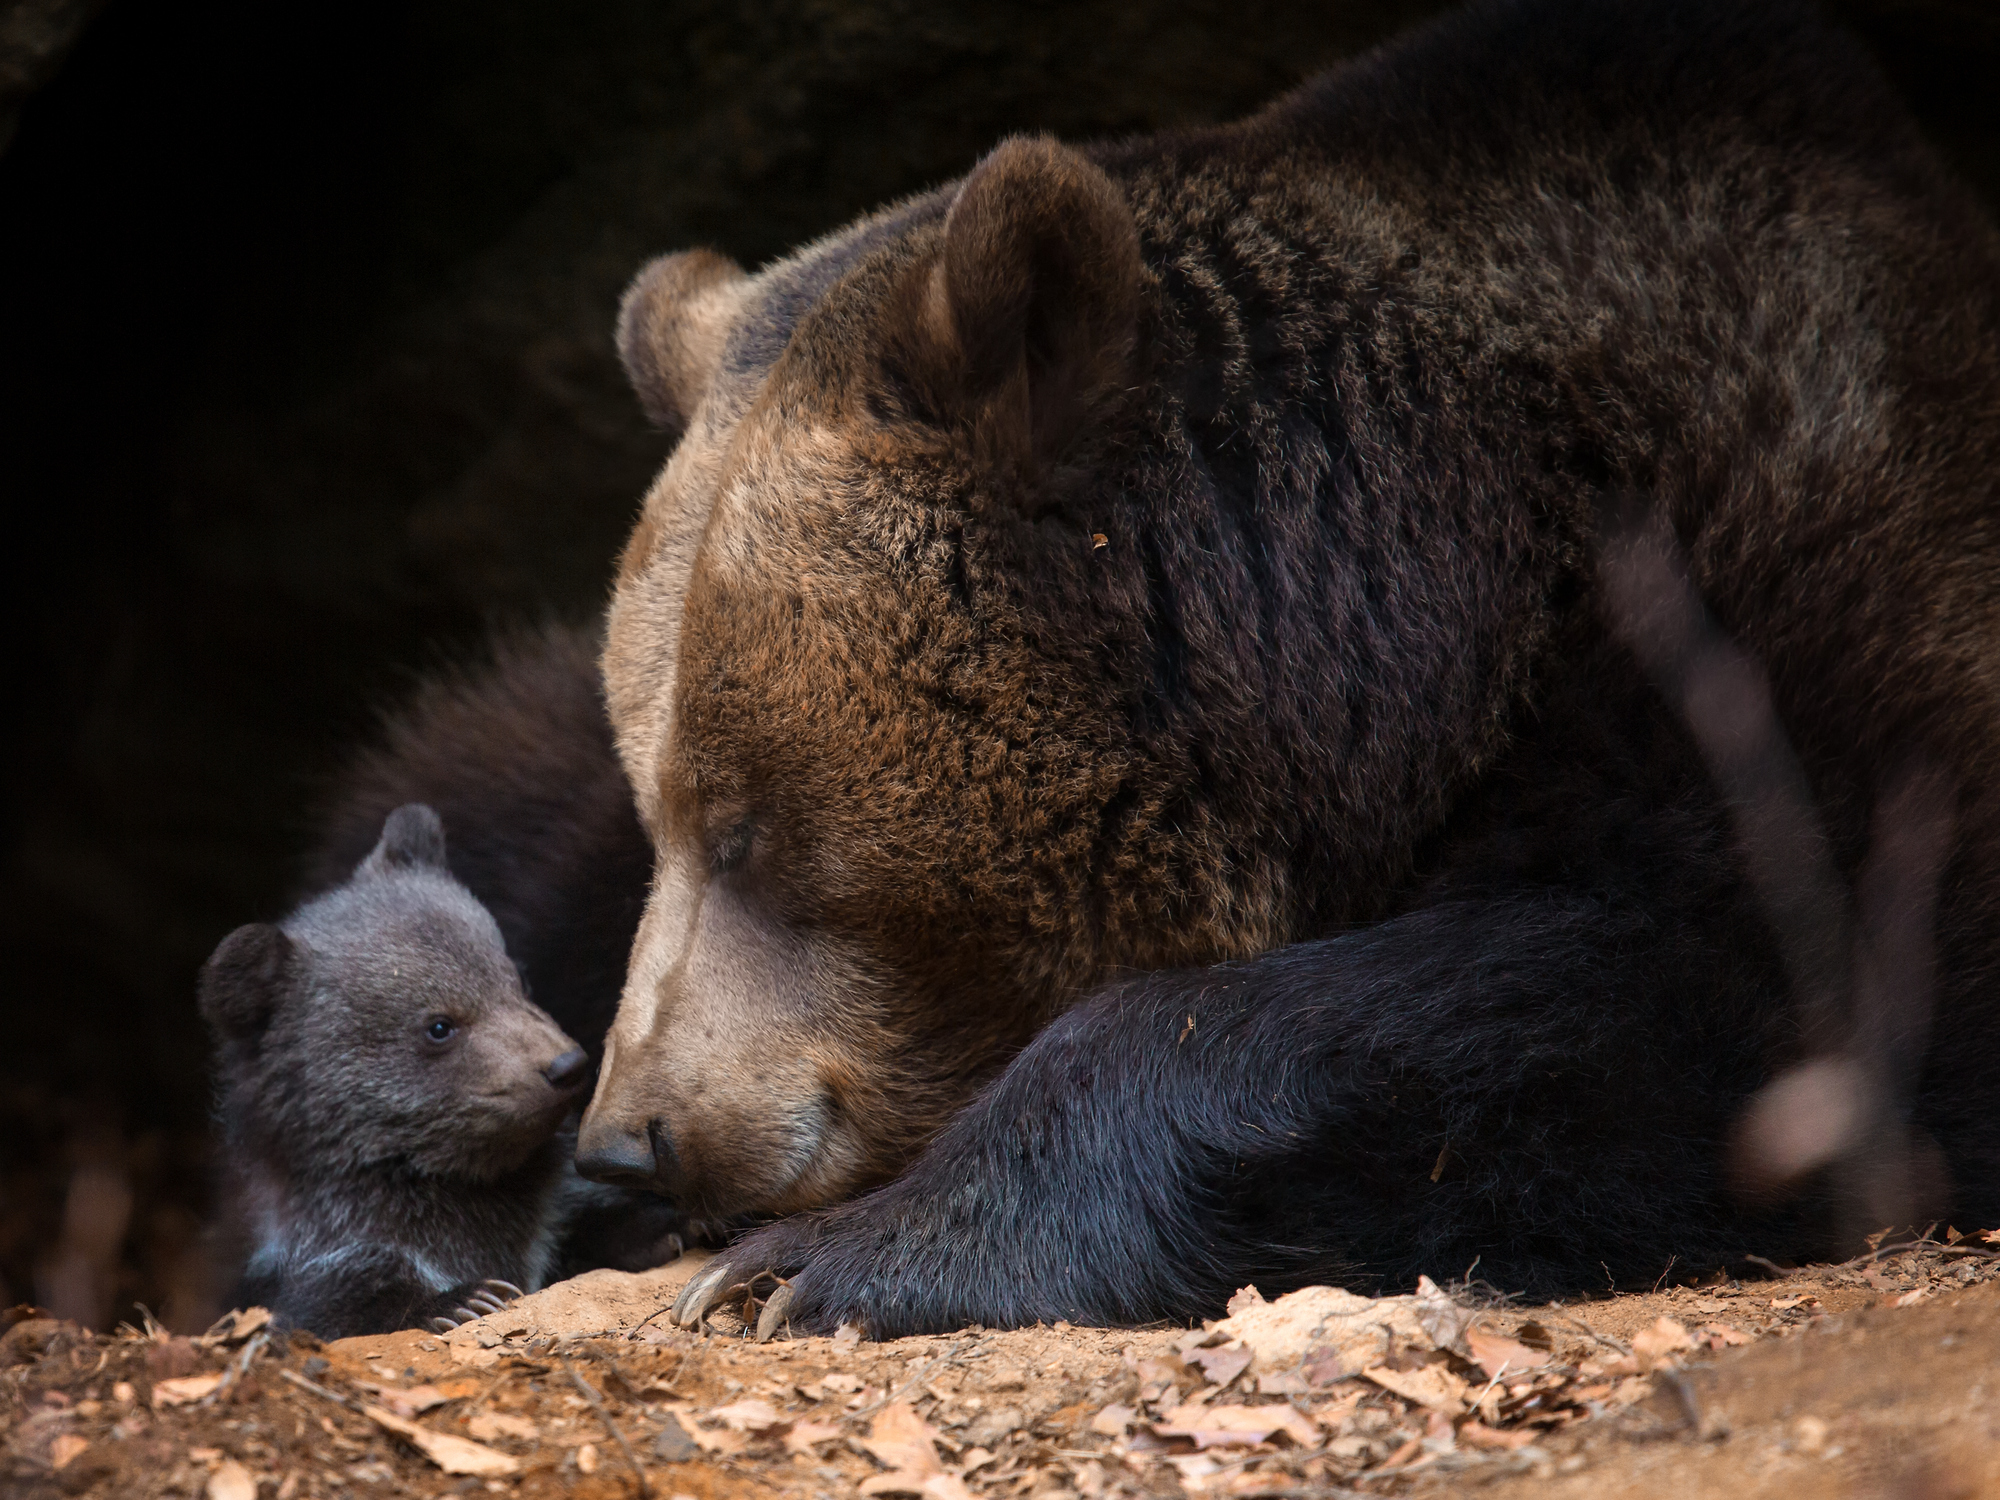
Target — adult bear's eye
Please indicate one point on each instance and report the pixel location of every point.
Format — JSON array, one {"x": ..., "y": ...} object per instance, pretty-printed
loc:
[
  {"x": 440, "y": 1030},
  {"x": 728, "y": 849}
]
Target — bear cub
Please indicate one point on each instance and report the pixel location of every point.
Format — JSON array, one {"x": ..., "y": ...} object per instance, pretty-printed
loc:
[{"x": 392, "y": 1104}]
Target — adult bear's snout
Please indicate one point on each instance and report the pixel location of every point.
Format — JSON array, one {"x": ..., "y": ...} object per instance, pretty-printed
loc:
[{"x": 618, "y": 1155}]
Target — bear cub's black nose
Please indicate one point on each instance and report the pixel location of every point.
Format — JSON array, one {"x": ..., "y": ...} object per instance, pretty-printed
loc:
[{"x": 567, "y": 1071}]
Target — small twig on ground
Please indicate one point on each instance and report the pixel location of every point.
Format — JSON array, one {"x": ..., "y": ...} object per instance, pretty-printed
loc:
[
  {"x": 318, "y": 1390},
  {"x": 1683, "y": 1393},
  {"x": 1603, "y": 1338},
  {"x": 663, "y": 1307},
  {"x": 237, "y": 1368},
  {"x": 1883, "y": 1252},
  {"x": 604, "y": 1415},
  {"x": 928, "y": 1372},
  {"x": 1490, "y": 1384},
  {"x": 487, "y": 1395}
]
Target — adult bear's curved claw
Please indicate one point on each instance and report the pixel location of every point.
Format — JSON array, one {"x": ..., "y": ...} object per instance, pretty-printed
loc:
[
  {"x": 705, "y": 1292},
  {"x": 772, "y": 1318},
  {"x": 443, "y": 1325}
]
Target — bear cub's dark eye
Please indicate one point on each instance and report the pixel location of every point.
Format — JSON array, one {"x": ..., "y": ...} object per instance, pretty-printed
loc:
[{"x": 440, "y": 1030}]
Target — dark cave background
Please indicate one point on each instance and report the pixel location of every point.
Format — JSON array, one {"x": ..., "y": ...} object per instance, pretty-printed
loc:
[{"x": 306, "y": 384}]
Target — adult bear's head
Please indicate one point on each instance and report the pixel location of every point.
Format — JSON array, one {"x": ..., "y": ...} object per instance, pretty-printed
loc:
[{"x": 877, "y": 673}]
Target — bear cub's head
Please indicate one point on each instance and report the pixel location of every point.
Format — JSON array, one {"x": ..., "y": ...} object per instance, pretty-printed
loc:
[{"x": 382, "y": 1025}]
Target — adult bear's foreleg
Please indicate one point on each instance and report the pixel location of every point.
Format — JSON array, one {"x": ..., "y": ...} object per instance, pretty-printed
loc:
[{"x": 1540, "y": 1082}]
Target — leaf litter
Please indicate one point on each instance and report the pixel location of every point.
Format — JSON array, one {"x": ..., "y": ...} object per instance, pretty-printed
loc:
[{"x": 574, "y": 1391}]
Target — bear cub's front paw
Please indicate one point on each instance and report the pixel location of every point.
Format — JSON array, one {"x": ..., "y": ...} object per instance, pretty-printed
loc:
[{"x": 473, "y": 1300}]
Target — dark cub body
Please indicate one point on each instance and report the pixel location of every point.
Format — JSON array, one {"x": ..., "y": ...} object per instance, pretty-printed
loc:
[{"x": 391, "y": 1103}]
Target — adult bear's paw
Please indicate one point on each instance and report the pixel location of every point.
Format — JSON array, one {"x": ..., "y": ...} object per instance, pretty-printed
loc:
[
  {"x": 892, "y": 1263},
  {"x": 765, "y": 1266}
]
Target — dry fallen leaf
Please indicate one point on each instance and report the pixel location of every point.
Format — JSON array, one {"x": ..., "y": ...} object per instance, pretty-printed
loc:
[
  {"x": 1479, "y": 1435},
  {"x": 586, "y": 1458},
  {"x": 1236, "y": 1426},
  {"x": 1427, "y": 1385},
  {"x": 720, "y": 1440},
  {"x": 1221, "y": 1365},
  {"x": 934, "y": 1486},
  {"x": 1632, "y": 1388},
  {"x": 1159, "y": 1376},
  {"x": 1496, "y": 1352},
  {"x": 487, "y": 1425},
  {"x": 231, "y": 1481},
  {"x": 1911, "y": 1299},
  {"x": 748, "y": 1416},
  {"x": 1330, "y": 1323},
  {"x": 407, "y": 1401},
  {"x": 1721, "y": 1334},
  {"x": 1328, "y": 1415},
  {"x": 63, "y": 1451},
  {"x": 902, "y": 1439},
  {"x": 1657, "y": 1345},
  {"x": 1245, "y": 1298},
  {"x": 455, "y": 1455},
  {"x": 804, "y": 1435},
  {"x": 180, "y": 1391},
  {"x": 1114, "y": 1421},
  {"x": 907, "y": 1444},
  {"x": 235, "y": 1327},
  {"x": 846, "y": 1336}
]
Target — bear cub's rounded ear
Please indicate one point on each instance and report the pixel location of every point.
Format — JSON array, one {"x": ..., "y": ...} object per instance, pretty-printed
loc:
[
  {"x": 412, "y": 839},
  {"x": 244, "y": 979},
  {"x": 672, "y": 326}
]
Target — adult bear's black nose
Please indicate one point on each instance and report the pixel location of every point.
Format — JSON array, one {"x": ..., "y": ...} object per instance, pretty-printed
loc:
[
  {"x": 616, "y": 1156},
  {"x": 567, "y": 1071}
]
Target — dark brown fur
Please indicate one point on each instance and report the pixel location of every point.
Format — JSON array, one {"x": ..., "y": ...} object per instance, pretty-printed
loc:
[
  {"x": 514, "y": 753},
  {"x": 1031, "y": 602}
]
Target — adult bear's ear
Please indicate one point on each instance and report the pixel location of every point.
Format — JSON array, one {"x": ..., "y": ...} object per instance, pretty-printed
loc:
[
  {"x": 672, "y": 326},
  {"x": 412, "y": 839},
  {"x": 1027, "y": 320},
  {"x": 244, "y": 979}
]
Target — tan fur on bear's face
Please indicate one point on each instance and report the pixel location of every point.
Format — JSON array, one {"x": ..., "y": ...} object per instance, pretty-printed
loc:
[{"x": 877, "y": 797}]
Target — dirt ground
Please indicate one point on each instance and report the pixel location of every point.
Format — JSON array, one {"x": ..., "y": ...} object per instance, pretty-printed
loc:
[{"x": 1877, "y": 1378}]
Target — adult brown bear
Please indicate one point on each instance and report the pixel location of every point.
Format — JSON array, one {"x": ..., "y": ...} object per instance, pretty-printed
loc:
[{"x": 1144, "y": 768}]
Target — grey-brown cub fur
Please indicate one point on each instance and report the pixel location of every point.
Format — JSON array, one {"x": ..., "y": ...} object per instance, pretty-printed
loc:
[{"x": 392, "y": 1104}]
